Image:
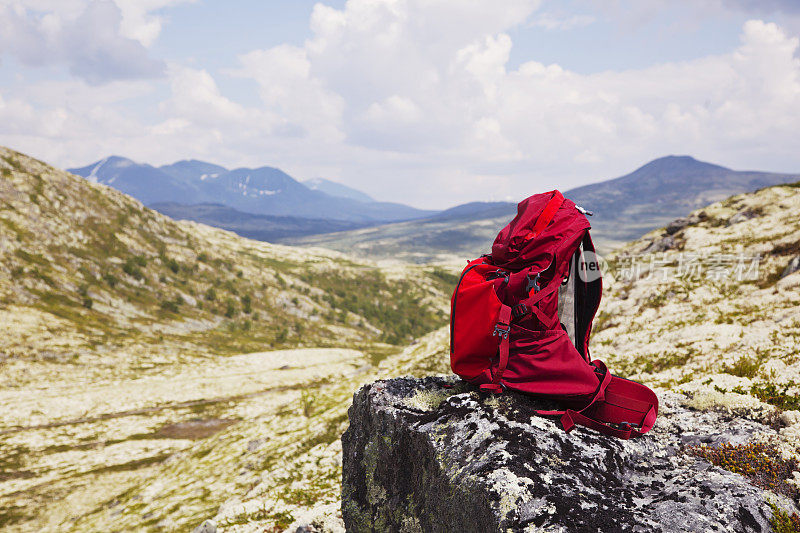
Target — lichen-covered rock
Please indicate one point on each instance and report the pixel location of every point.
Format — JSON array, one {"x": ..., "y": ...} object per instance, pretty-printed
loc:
[
  {"x": 437, "y": 455},
  {"x": 792, "y": 267},
  {"x": 661, "y": 244},
  {"x": 679, "y": 223}
]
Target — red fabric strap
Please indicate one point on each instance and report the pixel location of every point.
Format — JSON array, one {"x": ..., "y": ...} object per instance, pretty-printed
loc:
[
  {"x": 549, "y": 322},
  {"x": 546, "y": 216},
  {"x": 610, "y": 406},
  {"x": 571, "y": 418},
  {"x": 503, "y": 330}
]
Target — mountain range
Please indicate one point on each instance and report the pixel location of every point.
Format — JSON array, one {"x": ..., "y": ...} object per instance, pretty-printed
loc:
[
  {"x": 267, "y": 204},
  {"x": 259, "y": 191},
  {"x": 623, "y": 208}
]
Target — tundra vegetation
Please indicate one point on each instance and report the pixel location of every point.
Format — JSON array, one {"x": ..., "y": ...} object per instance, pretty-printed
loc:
[{"x": 158, "y": 373}]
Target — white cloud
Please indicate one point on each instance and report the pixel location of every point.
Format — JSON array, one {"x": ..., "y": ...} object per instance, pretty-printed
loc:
[
  {"x": 415, "y": 101},
  {"x": 196, "y": 96},
  {"x": 98, "y": 40},
  {"x": 138, "y": 20},
  {"x": 446, "y": 95}
]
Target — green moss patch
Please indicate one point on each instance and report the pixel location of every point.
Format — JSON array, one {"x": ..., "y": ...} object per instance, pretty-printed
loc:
[{"x": 782, "y": 521}]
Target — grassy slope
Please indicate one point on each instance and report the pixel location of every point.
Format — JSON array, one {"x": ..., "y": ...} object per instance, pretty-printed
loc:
[
  {"x": 114, "y": 318},
  {"x": 107, "y": 275},
  {"x": 671, "y": 330}
]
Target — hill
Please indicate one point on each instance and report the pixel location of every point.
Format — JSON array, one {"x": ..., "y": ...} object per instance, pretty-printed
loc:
[
  {"x": 129, "y": 338},
  {"x": 624, "y": 209},
  {"x": 664, "y": 189},
  {"x": 177, "y": 425},
  {"x": 260, "y": 191}
]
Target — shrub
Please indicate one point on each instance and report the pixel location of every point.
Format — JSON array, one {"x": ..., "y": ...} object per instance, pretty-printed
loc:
[
  {"x": 760, "y": 462},
  {"x": 782, "y": 521},
  {"x": 131, "y": 268},
  {"x": 745, "y": 367},
  {"x": 172, "y": 265},
  {"x": 173, "y": 306},
  {"x": 779, "y": 397}
]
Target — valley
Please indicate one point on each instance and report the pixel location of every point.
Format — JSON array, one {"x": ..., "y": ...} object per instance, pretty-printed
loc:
[{"x": 129, "y": 339}]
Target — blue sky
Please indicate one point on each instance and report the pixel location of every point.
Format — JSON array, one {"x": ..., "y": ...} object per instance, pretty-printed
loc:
[{"x": 429, "y": 102}]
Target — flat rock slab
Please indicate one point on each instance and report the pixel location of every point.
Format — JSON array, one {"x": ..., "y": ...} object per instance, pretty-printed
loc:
[{"x": 434, "y": 454}]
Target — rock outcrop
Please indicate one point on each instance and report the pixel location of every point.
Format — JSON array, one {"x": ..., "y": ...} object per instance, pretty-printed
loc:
[{"x": 436, "y": 455}]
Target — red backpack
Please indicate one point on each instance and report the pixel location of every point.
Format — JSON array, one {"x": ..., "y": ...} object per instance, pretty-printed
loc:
[{"x": 521, "y": 316}]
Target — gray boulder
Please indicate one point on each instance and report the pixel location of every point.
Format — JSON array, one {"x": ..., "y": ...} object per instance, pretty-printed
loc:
[
  {"x": 792, "y": 267},
  {"x": 741, "y": 216},
  {"x": 437, "y": 455},
  {"x": 679, "y": 223},
  {"x": 661, "y": 244}
]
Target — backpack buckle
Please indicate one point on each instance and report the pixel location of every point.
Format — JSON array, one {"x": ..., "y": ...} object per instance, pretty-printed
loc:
[
  {"x": 519, "y": 310},
  {"x": 533, "y": 283},
  {"x": 501, "y": 330},
  {"x": 497, "y": 274}
]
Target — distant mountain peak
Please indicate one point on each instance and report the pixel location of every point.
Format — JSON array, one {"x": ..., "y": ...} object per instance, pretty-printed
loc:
[
  {"x": 192, "y": 170},
  {"x": 264, "y": 190},
  {"x": 678, "y": 163},
  {"x": 119, "y": 161}
]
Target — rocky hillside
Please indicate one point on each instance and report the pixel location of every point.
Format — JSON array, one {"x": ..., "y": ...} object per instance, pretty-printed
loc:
[
  {"x": 123, "y": 335},
  {"x": 711, "y": 300},
  {"x": 82, "y": 259}
]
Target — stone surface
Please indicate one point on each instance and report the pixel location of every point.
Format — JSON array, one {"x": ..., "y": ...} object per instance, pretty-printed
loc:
[
  {"x": 792, "y": 267},
  {"x": 436, "y": 455},
  {"x": 209, "y": 526},
  {"x": 679, "y": 223},
  {"x": 661, "y": 244}
]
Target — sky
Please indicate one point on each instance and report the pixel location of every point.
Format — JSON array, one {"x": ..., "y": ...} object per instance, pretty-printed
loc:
[{"x": 432, "y": 103}]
